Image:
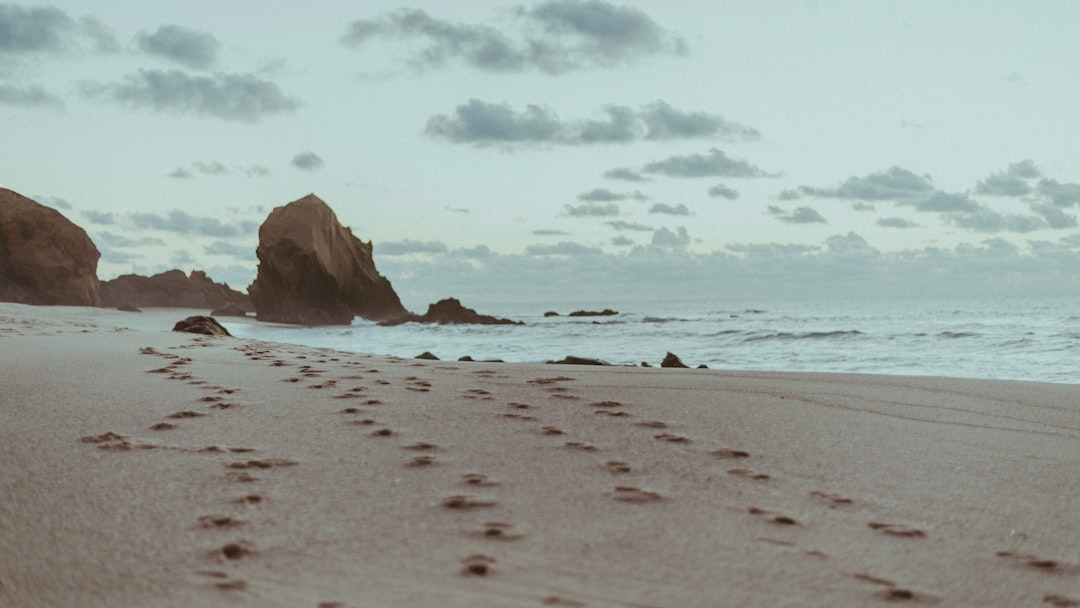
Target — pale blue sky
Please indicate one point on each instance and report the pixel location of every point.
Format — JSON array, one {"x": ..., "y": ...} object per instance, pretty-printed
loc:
[{"x": 777, "y": 147}]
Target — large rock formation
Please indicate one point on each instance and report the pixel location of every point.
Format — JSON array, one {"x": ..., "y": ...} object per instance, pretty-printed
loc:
[
  {"x": 313, "y": 271},
  {"x": 450, "y": 312},
  {"x": 44, "y": 258},
  {"x": 174, "y": 289}
]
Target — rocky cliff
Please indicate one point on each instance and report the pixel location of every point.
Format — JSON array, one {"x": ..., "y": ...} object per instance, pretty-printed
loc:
[
  {"x": 172, "y": 288},
  {"x": 44, "y": 258},
  {"x": 313, "y": 271}
]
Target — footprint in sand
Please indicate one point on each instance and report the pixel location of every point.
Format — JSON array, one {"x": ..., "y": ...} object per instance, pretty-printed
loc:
[
  {"x": 835, "y": 500},
  {"x": 518, "y": 406},
  {"x": 265, "y": 463},
  {"x": 466, "y": 502},
  {"x": 749, "y": 474},
  {"x": 617, "y": 466},
  {"x": 605, "y": 404},
  {"x": 774, "y": 517},
  {"x": 671, "y": 438},
  {"x": 551, "y": 430},
  {"x": 612, "y": 413},
  {"x": 235, "y": 550},
  {"x": 384, "y": 433},
  {"x": 186, "y": 414},
  {"x": 498, "y": 531},
  {"x": 1038, "y": 563},
  {"x": 163, "y": 426},
  {"x": 219, "y": 521},
  {"x": 896, "y": 530},
  {"x": 631, "y": 494},
  {"x": 477, "y": 565},
  {"x": 581, "y": 445},
  {"x": 421, "y": 461},
  {"x": 1060, "y": 601},
  {"x": 477, "y": 479},
  {"x": 729, "y": 453}
]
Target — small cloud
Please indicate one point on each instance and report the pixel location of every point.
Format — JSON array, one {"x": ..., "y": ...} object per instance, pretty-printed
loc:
[
  {"x": 563, "y": 248},
  {"x": 800, "y": 215},
  {"x": 895, "y": 184},
  {"x": 668, "y": 239},
  {"x": 307, "y": 161},
  {"x": 479, "y": 252},
  {"x": 722, "y": 191},
  {"x": 1062, "y": 195},
  {"x": 592, "y": 209},
  {"x": 665, "y": 122},
  {"x": 32, "y": 30},
  {"x": 211, "y": 168},
  {"x": 53, "y": 201},
  {"x": 180, "y": 222},
  {"x": 713, "y": 164},
  {"x": 625, "y": 174},
  {"x": 234, "y": 250},
  {"x": 605, "y": 195},
  {"x": 1013, "y": 182},
  {"x": 256, "y": 171},
  {"x": 188, "y": 47},
  {"x": 547, "y": 232},
  {"x": 679, "y": 209},
  {"x": 30, "y": 97},
  {"x": 622, "y": 241},
  {"x": 895, "y": 222},
  {"x": 100, "y": 217},
  {"x": 181, "y": 173},
  {"x": 621, "y": 225},
  {"x": 408, "y": 247}
]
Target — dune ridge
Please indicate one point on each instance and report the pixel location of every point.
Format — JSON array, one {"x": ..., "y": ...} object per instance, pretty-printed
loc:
[{"x": 143, "y": 467}]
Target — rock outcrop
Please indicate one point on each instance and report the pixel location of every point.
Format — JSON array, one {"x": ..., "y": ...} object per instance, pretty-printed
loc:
[
  {"x": 174, "y": 289},
  {"x": 672, "y": 360},
  {"x": 313, "y": 271},
  {"x": 44, "y": 258},
  {"x": 448, "y": 312},
  {"x": 575, "y": 360},
  {"x": 207, "y": 326}
]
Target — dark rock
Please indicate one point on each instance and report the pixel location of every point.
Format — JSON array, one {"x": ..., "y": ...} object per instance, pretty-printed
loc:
[
  {"x": 200, "y": 324},
  {"x": 646, "y": 364},
  {"x": 229, "y": 311},
  {"x": 313, "y": 271},
  {"x": 551, "y": 313},
  {"x": 44, "y": 258},
  {"x": 128, "y": 309},
  {"x": 671, "y": 360},
  {"x": 703, "y": 366},
  {"x": 607, "y": 312},
  {"x": 426, "y": 355},
  {"x": 572, "y": 360},
  {"x": 450, "y": 311},
  {"x": 466, "y": 358},
  {"x": 173, "y": 289}
]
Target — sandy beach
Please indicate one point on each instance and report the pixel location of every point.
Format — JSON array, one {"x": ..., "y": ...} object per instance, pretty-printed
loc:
[{"x": 141, "y": 467}]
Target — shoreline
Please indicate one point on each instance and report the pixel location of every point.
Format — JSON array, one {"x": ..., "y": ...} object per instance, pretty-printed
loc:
[{"x": 154, "y": 468}]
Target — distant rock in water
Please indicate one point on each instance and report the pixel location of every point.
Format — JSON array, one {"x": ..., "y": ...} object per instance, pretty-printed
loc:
[
  {"x": 572, "y": 360},
  {"x": 207, "y": 326},
  {"x": 313, "y": 271},
  {"x": 551, "y": 313},
  {"x": 450, "y": 311},
  {"x": 426, "y": 355},
  {"x": 672, "y": 360},
  {"x": 173, "y": 289},
  {"x": 44, "y": 257},
  {"x": 607, "y": 312}
]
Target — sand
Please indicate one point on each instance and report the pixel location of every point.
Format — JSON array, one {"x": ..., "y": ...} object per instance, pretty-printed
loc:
[{"x": 140, "y": 467}]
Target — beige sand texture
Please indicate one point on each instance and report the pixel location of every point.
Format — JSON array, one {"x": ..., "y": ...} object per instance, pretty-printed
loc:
[{"x": 140, "y": 467}]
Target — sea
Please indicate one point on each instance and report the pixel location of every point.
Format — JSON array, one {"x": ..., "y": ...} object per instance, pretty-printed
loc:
[{"x": 1020, "y": 338}]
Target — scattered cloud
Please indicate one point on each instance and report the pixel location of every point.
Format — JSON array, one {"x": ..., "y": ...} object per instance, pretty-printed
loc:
[
  {"x": 604, "y": 195},
  {"x": 553, "y": 37},
  {"x": 407, "y": 247},
  {"x": 482, "y": 123},
  {"x": 799, "y": 215},
  {"x": 256, "y": 171},
  {"x": 563, "y": 248},
  {"x": 55, "y": 202},
  {"x": 894, "y": 184},
  {"x": 713, "y": 164},
  {"x": 307, "y": 161},
  {"x": 1062, "y": 195},
  {"x": 1012, "y": 182},
  {"x": 104, "y": 40},
  {"x": 118, "y": 240},
  {"x": 548, "y": 232},
  {"x": 723, "y": 191},
  {"x": 32, "y": 30},
  {"x": 625, "y": 174},
  {"x": 180, "y": 173},
  {"x": 188, "y": 47},
  {"x": 231, "y": 249},
  {"x": 895, "y": 222},
  {"x": 236, "y": 97},
  {"x": 100, "y": 217},
  {"x": 211, "y": 168},
  {"x": 668, "y": 239},
  {"x": 592, "y": 209},
  {"x": 32, "y": 96},
  {"x": 665, "y": 209},
  {"x": 631, "y": 226},
  {"x": 622, "y": 241},
  {"x": 180, "y": 222}
]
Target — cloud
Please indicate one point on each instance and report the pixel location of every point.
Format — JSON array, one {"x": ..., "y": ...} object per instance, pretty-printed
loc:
[
  {"x": 1062, "y": 195},
  {"x": 479, "y": 252},
  {"x": 33, "y": 96},
  {"x": 723, "y": 191},
  {"x": 188, "y": 47},
  {"x": 625, "y": 174},
  {"x": 482, "y": 124},
  {"x": 237, "y": 97},
  {"x": 118, "y": 240},
  {"x": 665, "y": 122},
  {"x": 800, "y": 215},
  {"x": 894, "y": 184},
  {"x": 895, "y": 222},
  {"x": 1054, "y": 217},
  {"x": 53, "y": 201},
  {"x": 553, "y": 37},
  {"x": 984, "y": 219},
  {"x": 407, "y": 247},
  {"x": 592, "y": 209},
  {"x": 307, "y": 161},
  {"x": 256, "y": 171},
  {"x": 622, "y": 241},
  {"x": 180, "y": 222},
  {"x": 605, "y": 195},
  {"x": 180, "y": 173},
  {"x": 32, "y": 30},
  {"x": 621, "y": 225},
  {"x": 563, "y": 248},
  {"x": 211, "y": 168},
  {"x": 679, "y": 209},
  {"x": 1012, "y": 182},
  {"x": 547, "y": 232},
  {"x": 104, "y": 40},
  {"x": 100, "y": 217},
  {"x": 234, "y": 250},
  {"x": 668, "y": 239},
  {"x": 713, "y": 164}
]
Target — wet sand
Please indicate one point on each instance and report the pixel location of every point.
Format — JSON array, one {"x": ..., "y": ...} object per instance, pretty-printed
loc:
[{"x": 140, "y": 467}]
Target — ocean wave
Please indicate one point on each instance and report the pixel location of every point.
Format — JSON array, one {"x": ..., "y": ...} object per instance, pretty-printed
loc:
[
  {"x": 812, "y": 335},
  {"x": 957, "y": 334}
]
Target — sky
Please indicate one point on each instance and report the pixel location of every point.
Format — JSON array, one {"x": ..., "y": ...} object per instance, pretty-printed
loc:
[{"x": 565, "y": 150}]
